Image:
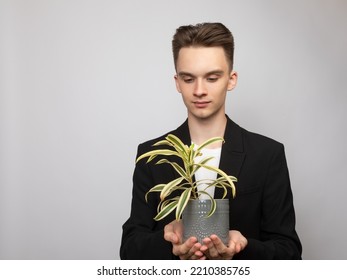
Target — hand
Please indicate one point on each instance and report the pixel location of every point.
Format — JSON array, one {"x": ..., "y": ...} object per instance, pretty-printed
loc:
[
  {"x": 215, "y": 249},
  {"x": 189, "y": 250}
]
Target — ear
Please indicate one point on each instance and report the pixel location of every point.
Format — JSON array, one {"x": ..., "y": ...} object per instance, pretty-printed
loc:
[
  {"x": 232, "y": 80},
  {"x": 177, "y": 84}
]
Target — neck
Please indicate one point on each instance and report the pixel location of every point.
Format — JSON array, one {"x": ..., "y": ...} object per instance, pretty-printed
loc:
[{"x": 204, "y": 129}]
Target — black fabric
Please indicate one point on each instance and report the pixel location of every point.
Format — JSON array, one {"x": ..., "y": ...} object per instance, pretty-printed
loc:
[{"x": 262, "y": 209}]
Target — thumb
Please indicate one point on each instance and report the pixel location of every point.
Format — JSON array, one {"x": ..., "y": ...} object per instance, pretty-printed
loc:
[{"x": 171, "y": 237}]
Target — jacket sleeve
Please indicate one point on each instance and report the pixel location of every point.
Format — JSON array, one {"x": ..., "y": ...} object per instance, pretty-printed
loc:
[
  {"x": 278, "y": 238},
  {"x": 143, "y": 238}
]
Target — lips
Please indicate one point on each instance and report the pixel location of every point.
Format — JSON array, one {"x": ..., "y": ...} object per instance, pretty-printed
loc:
[{"x": 201, "y": 104}]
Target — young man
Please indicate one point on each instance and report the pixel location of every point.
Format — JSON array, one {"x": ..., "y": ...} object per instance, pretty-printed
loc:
[{"x": 262, "y": 222}]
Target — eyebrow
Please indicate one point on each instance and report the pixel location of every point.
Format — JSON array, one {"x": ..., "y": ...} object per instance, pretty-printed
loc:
[{"x": 213, "y": 72}]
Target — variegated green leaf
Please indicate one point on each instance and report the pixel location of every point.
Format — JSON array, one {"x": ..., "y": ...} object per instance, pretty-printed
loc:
[
  {"x": 213, "y": 208},
  {"x": 182, "y": 202},
  {"x": 178, "y": 145},
  {"x": 197, "y": 166},
  {"x": 166, "y": 210},
  {"x": 224, "y": 175},
  {"x": 157, "y": 153},
  {"x": 170, "y": 187},
  {"x": 222, "y": 184},
  {"x": 191, "y": 154},
  {"x": 162, "y": 143},
  {"x": 166, "y": 202},
  {"x": 213, "y": 203},
  {"x": 209, "y": 142},
  {"x": 156, "y": 188},
  {"x": 176, "y": 166}
]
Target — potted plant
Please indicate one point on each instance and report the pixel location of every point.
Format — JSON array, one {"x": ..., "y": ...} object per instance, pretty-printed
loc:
[{"x": 188, "y": 189}]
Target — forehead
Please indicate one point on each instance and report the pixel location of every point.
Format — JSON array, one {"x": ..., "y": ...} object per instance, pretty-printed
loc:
[{"x": 201, "y": 59}]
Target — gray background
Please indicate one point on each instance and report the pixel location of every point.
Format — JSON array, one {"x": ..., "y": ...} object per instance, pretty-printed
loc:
[{"x": 82, "y": 83}]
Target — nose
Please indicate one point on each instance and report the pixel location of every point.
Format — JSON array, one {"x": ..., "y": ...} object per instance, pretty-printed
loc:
[{"x": 199, "y": 89}]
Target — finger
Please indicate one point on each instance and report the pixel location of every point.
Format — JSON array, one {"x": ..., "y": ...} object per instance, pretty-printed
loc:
[
  {"x": 239, "y": 247},
  {"x": 205, "y": 244},
  {"x": 199, "y": 254},
  {"x": 171, "y": 237},
  {"x": 195, "y": 253},
  {"x": 170, "y": 234},
  {"x": 185, "y": 249},
  {"x": 218, "y": 244},
  {"x": 224, "y": 252},
  {"x": 209, "y": 249}
]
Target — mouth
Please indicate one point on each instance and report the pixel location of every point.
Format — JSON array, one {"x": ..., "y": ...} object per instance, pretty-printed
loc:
[{"x": 201, "y": 104}]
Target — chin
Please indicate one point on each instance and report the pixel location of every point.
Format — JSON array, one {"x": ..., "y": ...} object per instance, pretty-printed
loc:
[{"x": 203, "y": 115}]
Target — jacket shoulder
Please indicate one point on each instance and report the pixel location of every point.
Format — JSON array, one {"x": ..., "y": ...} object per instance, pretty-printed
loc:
[
  {"x": 258, "y": 141},
  {"x": 181, "y": 132},
  {"x": 148, "y": 145}
]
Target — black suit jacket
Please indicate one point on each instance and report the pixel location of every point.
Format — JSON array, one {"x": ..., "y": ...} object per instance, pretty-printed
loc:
[{"x": 262, "y": 209}]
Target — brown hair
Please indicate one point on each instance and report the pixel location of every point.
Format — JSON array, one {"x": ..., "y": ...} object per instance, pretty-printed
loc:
[{"x": 204, "y": 35}]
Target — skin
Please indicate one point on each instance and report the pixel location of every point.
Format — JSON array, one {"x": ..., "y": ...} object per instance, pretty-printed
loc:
[
  {"x": 212, "y": 248},
  {"x": 203, "y": 78}
]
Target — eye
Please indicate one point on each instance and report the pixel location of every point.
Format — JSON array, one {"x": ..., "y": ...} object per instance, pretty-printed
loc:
[
  {"x": 212, "y": 79},
  {"x": 188, "y": 80}
]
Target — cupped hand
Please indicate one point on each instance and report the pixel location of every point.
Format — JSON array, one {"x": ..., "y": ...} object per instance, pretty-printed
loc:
[
  {"x": 188, "y": 250},
  {"x": 214, "y": 249}
]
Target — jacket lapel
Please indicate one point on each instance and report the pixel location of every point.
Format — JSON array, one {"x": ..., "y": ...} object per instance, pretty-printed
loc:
[
  {"x": 233, "y": 154},
  {"x": 182, "y": 132}
]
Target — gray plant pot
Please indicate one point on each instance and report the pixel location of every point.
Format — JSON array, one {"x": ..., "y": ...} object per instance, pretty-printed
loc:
[{"x": 196, "y": 223}]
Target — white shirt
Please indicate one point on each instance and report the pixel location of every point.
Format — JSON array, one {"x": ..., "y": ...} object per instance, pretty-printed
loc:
[{"x": 204, "y": 173}]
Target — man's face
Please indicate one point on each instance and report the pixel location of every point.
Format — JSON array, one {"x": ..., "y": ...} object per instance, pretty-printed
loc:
[{"x": 203, "y": 78}]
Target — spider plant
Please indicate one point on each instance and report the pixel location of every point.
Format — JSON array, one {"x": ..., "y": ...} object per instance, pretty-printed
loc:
[{"x": 185, "y": 182}]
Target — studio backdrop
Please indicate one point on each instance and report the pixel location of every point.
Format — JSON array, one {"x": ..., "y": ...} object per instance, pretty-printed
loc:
[{"x": 82, "y": 83}]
